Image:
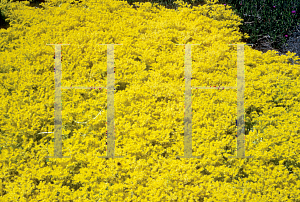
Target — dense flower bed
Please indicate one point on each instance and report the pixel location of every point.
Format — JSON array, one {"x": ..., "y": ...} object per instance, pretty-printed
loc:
[{"x": 149, "y": 107}]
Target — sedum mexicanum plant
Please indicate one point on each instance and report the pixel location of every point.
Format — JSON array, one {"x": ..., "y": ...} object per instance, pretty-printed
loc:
[{"x": 149, "y": 107}]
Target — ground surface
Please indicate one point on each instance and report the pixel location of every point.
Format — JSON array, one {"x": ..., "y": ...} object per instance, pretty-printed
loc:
[{"x": 292, "y": 44}]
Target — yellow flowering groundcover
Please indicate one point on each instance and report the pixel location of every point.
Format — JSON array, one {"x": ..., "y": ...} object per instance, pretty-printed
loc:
[{"x": 149, "y": 106}]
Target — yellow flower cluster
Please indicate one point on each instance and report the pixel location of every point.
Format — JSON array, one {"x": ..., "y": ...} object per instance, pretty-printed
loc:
[{"x": 149, "y": 106}]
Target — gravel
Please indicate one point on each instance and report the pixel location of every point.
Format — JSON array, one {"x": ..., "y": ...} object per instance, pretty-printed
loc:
[{"x": 292, "y": 44}]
